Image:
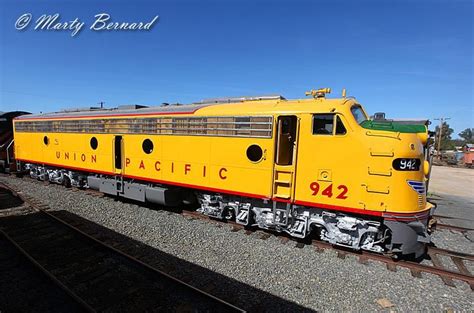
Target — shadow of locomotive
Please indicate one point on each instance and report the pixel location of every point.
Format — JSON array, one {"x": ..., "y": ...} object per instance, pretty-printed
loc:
[
  {"x": 237, "y": 293},
  {"x": 299, "y": 242}
]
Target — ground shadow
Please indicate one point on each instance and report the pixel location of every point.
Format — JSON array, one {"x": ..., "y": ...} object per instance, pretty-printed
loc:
[{"x": 239, "y": 294}]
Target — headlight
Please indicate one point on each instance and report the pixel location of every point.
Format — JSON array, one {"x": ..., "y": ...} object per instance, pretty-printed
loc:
[
  {"x": 423, "y": 138},
  {"x": 426, "y": 168}
]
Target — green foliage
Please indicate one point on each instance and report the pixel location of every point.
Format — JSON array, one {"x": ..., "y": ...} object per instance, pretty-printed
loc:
[
  {"x": 446, "y": 143},
  {"x": 467, "y": 135}
]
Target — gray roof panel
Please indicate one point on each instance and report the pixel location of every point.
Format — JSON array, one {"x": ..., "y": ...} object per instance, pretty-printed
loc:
[{"x": 158, "y": 110}]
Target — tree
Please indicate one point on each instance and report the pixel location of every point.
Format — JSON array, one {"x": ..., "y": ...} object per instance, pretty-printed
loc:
[
  {"x": 446, "y": 133},
  {"x": 467, "y": 135}
]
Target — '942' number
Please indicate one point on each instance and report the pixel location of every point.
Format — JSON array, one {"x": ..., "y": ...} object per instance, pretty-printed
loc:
[
  {"x": 328, "y": 191},
  {"x": 405, "y": 164}
]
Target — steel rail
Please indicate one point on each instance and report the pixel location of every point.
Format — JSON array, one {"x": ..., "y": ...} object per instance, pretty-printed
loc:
[
  {"x": 453, "y": 227},
  {"x": 442, "y": 272},
  {"x": 364, "y": 256},
  {"x": 56, "y": 281},
  {"x": 151, "y": 269},
  {"x": 391, "y": 263}
]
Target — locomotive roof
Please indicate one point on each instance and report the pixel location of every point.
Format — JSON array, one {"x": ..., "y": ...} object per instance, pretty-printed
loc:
[
  {"x": 12, "y": 114},
  {"x": 257, "y": 105}
]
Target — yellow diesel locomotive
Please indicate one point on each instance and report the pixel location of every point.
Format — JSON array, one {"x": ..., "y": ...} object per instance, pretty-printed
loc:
[{"x": 317, "y": 166}]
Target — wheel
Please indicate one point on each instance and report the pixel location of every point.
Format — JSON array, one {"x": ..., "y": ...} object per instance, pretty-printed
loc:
[
  {"x": 228, "y": 214},
  {"x": 393, "y": 256},
  {"x": 67, "y": 182}
]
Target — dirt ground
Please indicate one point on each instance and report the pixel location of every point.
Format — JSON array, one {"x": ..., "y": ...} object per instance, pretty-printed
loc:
[
  {"x": 452, "y": 181},
  {"x": 452, "y": 189}
]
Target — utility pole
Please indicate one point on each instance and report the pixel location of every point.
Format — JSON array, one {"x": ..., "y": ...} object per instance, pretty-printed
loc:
[
  {"x": 441, "y": 121},
  {"x": 101, "y": 104}
]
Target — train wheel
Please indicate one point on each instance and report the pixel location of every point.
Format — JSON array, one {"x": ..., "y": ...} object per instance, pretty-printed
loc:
[
  {"x": 228, "y": 214},
  {"x": 67, "y": 182},
  {"x": 393, "y": 256}
]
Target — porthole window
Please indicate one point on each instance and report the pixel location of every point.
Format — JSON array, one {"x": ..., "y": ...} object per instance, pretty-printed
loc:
[
  {"x": 254, "y": 153},
  {"x": 147, "y": 146},
  {"x": 46, "y": 140},
  {"x": 94, "y": 143}
]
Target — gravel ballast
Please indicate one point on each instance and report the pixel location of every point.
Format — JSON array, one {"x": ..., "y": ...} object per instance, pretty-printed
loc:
[{"x": 302, "y": 278}]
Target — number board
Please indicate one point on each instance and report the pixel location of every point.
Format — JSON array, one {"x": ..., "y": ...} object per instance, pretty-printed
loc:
[{"x": 406, "y": 164}]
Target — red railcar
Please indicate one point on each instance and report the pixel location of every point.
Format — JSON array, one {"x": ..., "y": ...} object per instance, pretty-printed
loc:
[{"x": 7, "y": 157}]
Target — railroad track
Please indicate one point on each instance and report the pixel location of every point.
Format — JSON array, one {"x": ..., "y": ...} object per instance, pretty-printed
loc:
[
  {"x": 457, "y": 271},
  {"x": 22, "y": 279},
  {"x": 94, "y": 275},
  {"x": 452, "y": 227},
  {"x": 434, "y": 254}
]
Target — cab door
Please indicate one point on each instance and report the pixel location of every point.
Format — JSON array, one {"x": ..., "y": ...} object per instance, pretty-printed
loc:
[
  {"x": 118, "y": 154},
  {"x": 285, "y": 158}
]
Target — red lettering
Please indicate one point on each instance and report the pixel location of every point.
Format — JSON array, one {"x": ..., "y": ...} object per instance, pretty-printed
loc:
[
  {"x": 342, "y": 195},
  {"x": 172, "y": 167},
  {"x": 314, "y": 186},
  {"x": 157, "y": 166},
  {"x": 58, "y": 154},
  {"x": 328, "y": 191},
  {"x": 127, "y": 162},
  {"x": 93, "y": 159},
  {"x": 220, "y": 173},
  {"x": 187, "y": 168},
  {"x": 74, "y": 156},
  {"x": 204, "y": 171},
  {"x": 83, "y": 157},
  {"x": 66, "y": 155},
  {"x": 142, "y": 165}
]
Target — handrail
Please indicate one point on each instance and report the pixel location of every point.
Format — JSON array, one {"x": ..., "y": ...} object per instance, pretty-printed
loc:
[{"x": 8, "y": 148}]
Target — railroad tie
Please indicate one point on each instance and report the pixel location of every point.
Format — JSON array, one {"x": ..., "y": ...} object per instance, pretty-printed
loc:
[
  {"x": 415, "y": 273},
  {"x": 437, "y": 263},
  {"x": 462, "y": 268}
]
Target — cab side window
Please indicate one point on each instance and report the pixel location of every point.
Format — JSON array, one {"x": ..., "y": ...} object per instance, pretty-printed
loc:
[
  {"x": 340, "y": 129},
  {"x": 323, "y": 124},
  {"x": 328, "y": 124}
]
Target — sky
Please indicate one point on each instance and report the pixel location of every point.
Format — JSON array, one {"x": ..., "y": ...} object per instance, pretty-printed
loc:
[{"x": 409, "y": 59}]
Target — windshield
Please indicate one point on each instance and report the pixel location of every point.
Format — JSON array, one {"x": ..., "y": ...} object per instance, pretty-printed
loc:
[{"x": 358, "y": 114}]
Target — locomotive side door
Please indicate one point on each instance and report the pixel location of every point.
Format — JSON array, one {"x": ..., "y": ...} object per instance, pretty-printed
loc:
[
  {"x": 284, "y": 173},
  {"x": 118, "y": 154}
]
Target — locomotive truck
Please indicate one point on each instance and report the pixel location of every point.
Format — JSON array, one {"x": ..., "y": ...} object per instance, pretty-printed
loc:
[{"x": 317, "y": 166}]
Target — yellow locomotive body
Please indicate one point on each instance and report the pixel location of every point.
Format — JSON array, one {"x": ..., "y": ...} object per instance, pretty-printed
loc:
[{"x": 300, "y": 166}]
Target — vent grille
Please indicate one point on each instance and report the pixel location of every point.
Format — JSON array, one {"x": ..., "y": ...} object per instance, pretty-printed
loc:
[{"x": 233, "y": 126}]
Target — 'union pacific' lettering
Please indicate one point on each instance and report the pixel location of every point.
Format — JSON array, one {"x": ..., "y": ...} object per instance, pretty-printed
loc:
[
  {"x": 92, "y": 158},
  {"x": 222, "y": 172},
  {"x": 186, "y": 169}
]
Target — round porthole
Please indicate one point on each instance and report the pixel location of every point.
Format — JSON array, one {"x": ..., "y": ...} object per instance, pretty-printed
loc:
[
  {"x": 254, "y": 153},
  {"x": 46, "y": 140},
  {"x": 94, "y": 143},
  {"x": 147, "y": 146}
]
